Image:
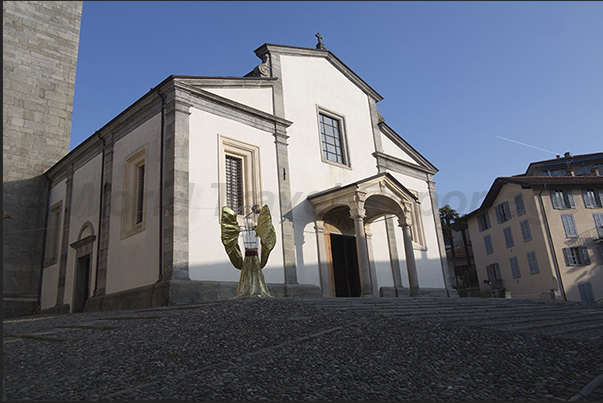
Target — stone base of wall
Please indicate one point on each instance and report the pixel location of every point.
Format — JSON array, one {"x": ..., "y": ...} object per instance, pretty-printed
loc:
[
  {"x": 404, "y": 292},
  {"x": 15, "y": 307},
  {"x": 188, "y": 292}
]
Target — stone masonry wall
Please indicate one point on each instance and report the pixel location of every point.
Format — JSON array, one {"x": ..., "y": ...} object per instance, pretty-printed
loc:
[{"x": 41, "y": 40}]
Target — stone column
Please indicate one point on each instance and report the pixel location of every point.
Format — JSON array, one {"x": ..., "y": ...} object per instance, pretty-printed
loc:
[
  {"x": 322, "y": 259},
  {"x": 393, "y": 252},
  {"x": 357, "y": 214},
  {"x": 371, "y": 259},
  {"x": 411, "y": 265}
]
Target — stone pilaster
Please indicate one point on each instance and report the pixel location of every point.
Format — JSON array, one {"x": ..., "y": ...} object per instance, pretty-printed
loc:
[
  {"x": 104, "y": 229},
  {"x": 176, "y": 190},
  {"x": 438, "y": 225},
  {"x": 288, "y": 233},
  {"x": 64, "y": 246}
]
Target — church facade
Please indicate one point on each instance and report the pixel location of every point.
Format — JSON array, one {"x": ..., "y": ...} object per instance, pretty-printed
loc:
[{"x": 134, "y": 211}]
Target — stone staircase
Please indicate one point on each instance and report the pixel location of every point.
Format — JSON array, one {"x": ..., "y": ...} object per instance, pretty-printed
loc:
[{"x": 552, "y": 318}]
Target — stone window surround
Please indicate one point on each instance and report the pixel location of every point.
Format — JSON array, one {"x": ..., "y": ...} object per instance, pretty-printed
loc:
[
  {"x": 347, "y": 163},
  {"x": 250, "y": 154},
  {"x": 133, "y": 161}
]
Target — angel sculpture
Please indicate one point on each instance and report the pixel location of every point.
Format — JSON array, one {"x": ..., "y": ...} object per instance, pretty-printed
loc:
[{"x": 251, "y": 283}]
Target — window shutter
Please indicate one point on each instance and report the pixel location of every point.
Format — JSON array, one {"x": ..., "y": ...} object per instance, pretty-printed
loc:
[
  {"x": 598, "y": 217},
  {"x": 588, "y": 203},
  {"x": 600, "y": 201},
  {"x": 498, "y": 214},
  {"x": 487, "y": 217},
  {"x": 570, "y": 198},
  {"x": 569, "y": 226},
  {"x": 567, "y": 256},
  {"x": 585, "y": 257},
  {"x": 555, "y": 200},
  {"x": 519, "y": 204}
]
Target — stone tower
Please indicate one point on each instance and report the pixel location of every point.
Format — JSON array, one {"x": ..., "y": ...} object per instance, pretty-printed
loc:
[{"x": 41, "y": 41}]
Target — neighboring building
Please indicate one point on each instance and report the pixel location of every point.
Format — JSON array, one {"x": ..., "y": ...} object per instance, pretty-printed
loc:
[
  {"x": 462, "y": 260},
  {"x": 540, "y": 234},
  {"x": 133, "y": 217},
  {"x": 40, "y": 48}
]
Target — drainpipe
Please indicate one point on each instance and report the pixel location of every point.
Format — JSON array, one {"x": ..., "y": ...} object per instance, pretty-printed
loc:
[
  {"x": 100, "y": 213},
  {"x": 160, "y": 277},
  {"x": 550, "y": 239}
]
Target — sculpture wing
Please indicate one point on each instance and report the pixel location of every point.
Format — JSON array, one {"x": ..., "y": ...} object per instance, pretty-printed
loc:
[
  {"x": 265, "y": 230},
  {"x": 230, "y": 237}
]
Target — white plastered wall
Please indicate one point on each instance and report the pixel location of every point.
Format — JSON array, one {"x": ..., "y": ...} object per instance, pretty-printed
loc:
[
  {"x": 258, "y": 98},
  {"x": 208, "y": 260},
  {"x": 134, "y": 261},
  {"x": 84, "y": 208},
  {"x": 50, "y": 274},
  {"x": 390, "y": 148}
]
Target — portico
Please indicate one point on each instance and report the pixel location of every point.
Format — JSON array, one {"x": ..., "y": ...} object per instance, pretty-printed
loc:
[{"x": 350, "y": 210}]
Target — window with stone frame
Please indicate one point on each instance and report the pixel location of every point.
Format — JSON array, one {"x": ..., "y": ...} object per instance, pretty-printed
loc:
[
  {"x": 134, "y": 194},
  {"x": 332, "y": 138},
  {"x": 53, "y": 232},
  {"x": 239, "y": 171}
]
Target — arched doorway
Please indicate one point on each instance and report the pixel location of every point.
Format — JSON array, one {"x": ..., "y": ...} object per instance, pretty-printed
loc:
[{"x": 356, "y": 206}]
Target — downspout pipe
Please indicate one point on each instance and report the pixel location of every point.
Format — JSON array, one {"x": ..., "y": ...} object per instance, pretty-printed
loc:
[
  {"x": 551, "y": 245},
  {"x": 100, "y": 213}
]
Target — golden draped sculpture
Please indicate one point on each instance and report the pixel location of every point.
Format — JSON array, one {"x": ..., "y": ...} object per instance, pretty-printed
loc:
[{"x": 251, "y": 282}]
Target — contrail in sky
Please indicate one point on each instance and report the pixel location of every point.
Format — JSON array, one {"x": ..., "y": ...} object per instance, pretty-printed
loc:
[{"x": 527, "y": 145}]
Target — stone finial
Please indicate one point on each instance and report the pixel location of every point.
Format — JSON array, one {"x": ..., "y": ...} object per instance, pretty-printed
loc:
[
  {"x": 380, "y": 118},
  {"x": 319, "y": 45}
]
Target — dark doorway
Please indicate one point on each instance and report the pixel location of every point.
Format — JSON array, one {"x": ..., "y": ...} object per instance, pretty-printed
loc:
[
  {"x": 82, "y": 280},
  {"x": 345, "y": 266}
]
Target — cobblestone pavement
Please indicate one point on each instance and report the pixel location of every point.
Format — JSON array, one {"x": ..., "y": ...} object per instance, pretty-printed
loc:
[{"x": 312, "y": 349}]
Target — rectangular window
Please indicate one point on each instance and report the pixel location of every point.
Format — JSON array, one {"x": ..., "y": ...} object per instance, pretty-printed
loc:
[
  {"x": 234, "y": 183},
  {"x": 525, "y": 230},
  {"x": 240, "y": 184},
  {"x": 521, "y": 210},
  {"x": 488, "y": 243},
  {"x": 598, "y": 217},
  {"x": 532, "y": 262},
  {"x": 562, "y": 199},
  {"x": 133, "y": 214},
  {"x": 332, "y": 139},
  {"x": 592, "y": 197},
  {"x": 508, "y": 237},
  {"x": 514, "y": 267},
  {"x": 140, "y": 195},
  {"x": 569, "y": 226},
  {"x": 503, "y": 213},
  {"x": 576, "y": 256},
  {"x": 483, "y": 221},
  {"x": 586, "y": 292},
  {"x": 53, "y": 232}
]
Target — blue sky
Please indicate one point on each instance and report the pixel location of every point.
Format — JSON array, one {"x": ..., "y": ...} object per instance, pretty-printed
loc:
[{"x": 480, "y": 89}]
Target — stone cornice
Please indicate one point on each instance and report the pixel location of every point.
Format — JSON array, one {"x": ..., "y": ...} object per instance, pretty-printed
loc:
[
  {"x": 245, "y": 82},
  {"x": 400, "y": 142},
  {"x": 399, "y": 165},
  {"x": 236, "y": 109},
  {"x": 334, "y": 60}
]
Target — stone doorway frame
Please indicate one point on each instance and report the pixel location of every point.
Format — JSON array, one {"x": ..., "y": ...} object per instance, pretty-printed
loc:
[{"x": 368, "y": 199}]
